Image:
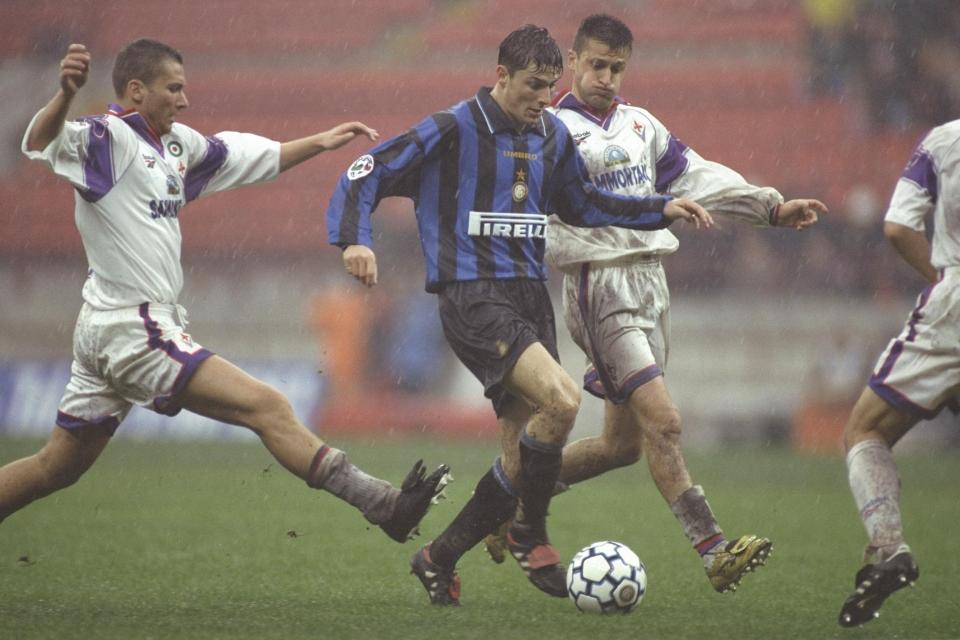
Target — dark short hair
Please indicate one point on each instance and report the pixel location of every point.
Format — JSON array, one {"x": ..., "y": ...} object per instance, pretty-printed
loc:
[
  {"x": 528, "y": 45},
  {"x": 141, "y": 60},
  {"x": 606, "y": 29}
]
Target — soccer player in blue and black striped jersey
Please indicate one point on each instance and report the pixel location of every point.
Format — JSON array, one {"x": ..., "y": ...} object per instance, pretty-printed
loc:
[{"x": 484, "y": 175}]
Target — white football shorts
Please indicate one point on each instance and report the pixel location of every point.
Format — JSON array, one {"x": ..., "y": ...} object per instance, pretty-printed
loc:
[
  {"x": 121, "y": 357},
  {"x": 919, "y": 372},
  {"x": 619, "y": 314}
]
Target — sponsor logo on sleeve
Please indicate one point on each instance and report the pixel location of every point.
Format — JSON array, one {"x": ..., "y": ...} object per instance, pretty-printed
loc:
[{"x": 361, "y": 167}]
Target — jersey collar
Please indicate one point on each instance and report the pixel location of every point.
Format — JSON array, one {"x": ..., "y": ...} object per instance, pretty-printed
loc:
[
  {"x": 498, "y": 121},
  {"x": 138, "y": 123},
  {"x": 567, "y": 100}
]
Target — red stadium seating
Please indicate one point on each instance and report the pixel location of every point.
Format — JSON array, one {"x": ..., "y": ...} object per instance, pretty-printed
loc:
[{"x": 726, "y": 76}]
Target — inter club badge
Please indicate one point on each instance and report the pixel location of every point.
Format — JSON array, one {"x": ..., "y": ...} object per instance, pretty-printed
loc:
[{"x": 520, "y": 189}]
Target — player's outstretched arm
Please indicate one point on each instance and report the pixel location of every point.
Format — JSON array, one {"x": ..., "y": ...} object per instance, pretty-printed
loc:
[
  {"x": 800, "y": 213},
  {"x": 361, "y": 263},
  {"x": 74, "y": 71},
  {"x": 294, "y": 152},
  {"x": 686, "y": 209}
]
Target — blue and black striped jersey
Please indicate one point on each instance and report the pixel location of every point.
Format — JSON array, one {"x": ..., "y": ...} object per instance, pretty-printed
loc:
[{"x": 482, "y": 191}]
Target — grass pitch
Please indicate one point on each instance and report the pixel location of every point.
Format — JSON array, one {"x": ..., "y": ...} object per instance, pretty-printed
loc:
[{"x": 203, "y": 540}]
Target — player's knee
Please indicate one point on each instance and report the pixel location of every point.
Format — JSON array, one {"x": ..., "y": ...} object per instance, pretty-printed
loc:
[
  {"x": 855, "y": 432},
  {"x": 565, "y": 401},
  {"x": 625, "y": 452},
  {"x": 665, "y": 427},
  {"x": 272, "y": 409},
  {"x": 57, "y": 472},
  {"x": 871, "y": 418}
]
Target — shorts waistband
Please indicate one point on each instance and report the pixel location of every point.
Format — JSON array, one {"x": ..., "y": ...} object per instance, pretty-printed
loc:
[
  {"x": 154, "y": 310},
  {"x": 159, "y": 309},
  {"x": 639, "y": 259}
]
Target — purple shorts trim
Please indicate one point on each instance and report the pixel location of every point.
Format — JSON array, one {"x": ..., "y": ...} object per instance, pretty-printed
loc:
[
  {"x": 594, "y": 386},
  {"x": 66, "y": 421},
  {"x": 167, "y": 405},
  {"x": 899, "y": 401},
  {"x": 191, "y": 362}
]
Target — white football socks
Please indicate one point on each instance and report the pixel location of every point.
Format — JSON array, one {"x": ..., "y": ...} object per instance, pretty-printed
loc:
[
  {"x": 875, "y": 485},
  {"x": 698, "y": 522}
]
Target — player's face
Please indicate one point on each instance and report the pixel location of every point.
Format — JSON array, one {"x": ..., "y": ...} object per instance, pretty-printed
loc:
[
  {"x": 597, "y": 74},
  {"x": 524, "y": 95},
  {"x": 164, "y": 98}
]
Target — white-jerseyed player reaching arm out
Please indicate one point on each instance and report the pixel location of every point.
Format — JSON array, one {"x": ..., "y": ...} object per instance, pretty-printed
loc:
[{"x": 133, "y": 169}]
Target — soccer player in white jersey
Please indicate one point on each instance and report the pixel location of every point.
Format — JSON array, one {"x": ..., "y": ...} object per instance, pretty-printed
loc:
[
  {"x": 133, "y": 169},
  {"x": 615, "y": 298},
  {"x": 919, "y": 372}
]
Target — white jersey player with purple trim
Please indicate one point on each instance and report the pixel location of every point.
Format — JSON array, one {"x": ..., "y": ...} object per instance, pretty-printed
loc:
[
  {"x": 920, "y": 370},
  {"x": 130, "y": 186},
  {"x": 628, "y": 151}
]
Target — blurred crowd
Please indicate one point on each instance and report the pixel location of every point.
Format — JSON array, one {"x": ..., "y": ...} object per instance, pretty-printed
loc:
[{"x": 896, "y": 61}]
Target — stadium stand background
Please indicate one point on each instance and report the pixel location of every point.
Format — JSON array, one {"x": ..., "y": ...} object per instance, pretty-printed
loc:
[{"x": 750, "y": 83}]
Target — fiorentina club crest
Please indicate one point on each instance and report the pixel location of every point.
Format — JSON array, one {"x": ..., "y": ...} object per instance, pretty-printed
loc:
[
  {"x": 639, "y": 129},
  {"x": 362, "y": 167}
]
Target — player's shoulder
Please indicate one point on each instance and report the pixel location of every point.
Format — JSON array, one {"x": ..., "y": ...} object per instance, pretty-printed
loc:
[
  {"x": 185, "y": 132},
  {"x": 108, "y": 125},
  {"x": 553, "y": 121},
  {"x": 636, "y": 112},
  {"x": 943, "y": 137}
]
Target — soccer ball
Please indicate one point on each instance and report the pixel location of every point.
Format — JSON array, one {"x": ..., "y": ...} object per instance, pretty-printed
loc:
[{"x": 606, "y": 577}]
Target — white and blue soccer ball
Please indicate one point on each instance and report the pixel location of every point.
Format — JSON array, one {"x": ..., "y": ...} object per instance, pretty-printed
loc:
[{"x": 606, "y": 577}]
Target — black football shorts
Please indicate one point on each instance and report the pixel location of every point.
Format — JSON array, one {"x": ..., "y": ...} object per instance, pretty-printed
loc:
[{"x": 490, "y": 323}]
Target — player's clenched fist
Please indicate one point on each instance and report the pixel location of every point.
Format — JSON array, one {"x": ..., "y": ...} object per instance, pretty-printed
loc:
[
  {"x": 74, "y": 68},
  {"x": 361, "y": 263},
  {"x": 686, "y": 209}
]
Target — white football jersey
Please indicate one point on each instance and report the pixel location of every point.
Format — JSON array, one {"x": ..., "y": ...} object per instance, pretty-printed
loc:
[
  {"x": 931, "y": 182},
  {"x": 630, "y": 152},
  {"x": 130, "y": 186}
]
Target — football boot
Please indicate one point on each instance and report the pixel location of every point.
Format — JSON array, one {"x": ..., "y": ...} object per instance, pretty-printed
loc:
[
  {"x": 874, "y": 583},
  {"x": 737, "y": 558},
  {"x": 417, "y": 493},
  {"x": 442, "y": 585},
  {"x": 538, "y": 559}
]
